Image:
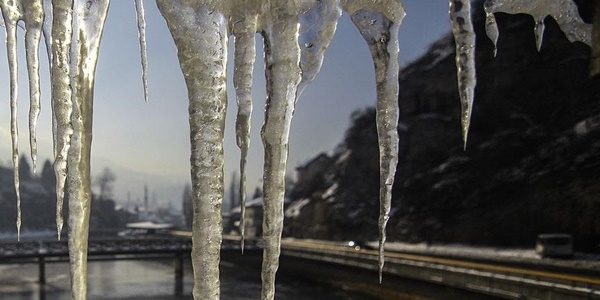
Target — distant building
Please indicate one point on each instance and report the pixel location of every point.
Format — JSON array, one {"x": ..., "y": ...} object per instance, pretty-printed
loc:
[
  {"x": 253, "y": 218},
  {"x": 313, "y": 168},
  {"x": 311, "y": 176},
  {"x": 145, "y": 228}
]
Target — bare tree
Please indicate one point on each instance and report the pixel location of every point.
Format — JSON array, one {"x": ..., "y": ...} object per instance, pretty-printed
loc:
[{"x": 105, "y": 183}]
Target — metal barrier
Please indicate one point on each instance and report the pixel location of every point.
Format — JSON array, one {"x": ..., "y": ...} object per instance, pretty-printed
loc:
[{"x": 503, "y": 281}]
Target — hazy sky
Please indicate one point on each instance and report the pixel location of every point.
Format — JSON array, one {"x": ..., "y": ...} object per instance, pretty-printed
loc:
[{"x": 148, "y": 142}]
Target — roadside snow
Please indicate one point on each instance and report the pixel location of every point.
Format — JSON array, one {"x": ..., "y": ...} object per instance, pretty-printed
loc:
[{"x": 520, "y": 255}]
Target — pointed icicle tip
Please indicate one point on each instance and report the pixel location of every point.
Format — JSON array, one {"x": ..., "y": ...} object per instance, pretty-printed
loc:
[
  {"x": 491, "y": 30},
  {"x": 539, "y": 33},
  {"x": 59, "y": 228},
  {"x": 141, "y": 24}
]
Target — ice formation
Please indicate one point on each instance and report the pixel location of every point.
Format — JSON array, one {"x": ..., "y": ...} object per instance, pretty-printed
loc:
[
  {"x": 32, "y": 15},
  {"x": 76, "y": 32},
  {"x": 464, "y": 38},
  {"x": 296, "y": 35},
  {"x": 244, "y": 57},
  {"x": 141, "y": 22},
  {"x": 379, "y": 27},
  {"x": 563, "y": 11}
]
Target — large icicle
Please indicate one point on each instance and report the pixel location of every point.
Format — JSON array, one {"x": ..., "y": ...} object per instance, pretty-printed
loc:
[
  {"x": 283, "y": 74},
  {"x": 464, "y": 38},
  {"x": 62, "y": 28},
  {"x": 11, "y": 14},
  {"x": 141, "y": 23},
  {"x": 244, "y": 29},
  {"x": 317, "y": 27},
  {"x": 379, "y": 25},
  {"x": 89, "y": 18},
  {"x": 200, "y": 34},
  {"x": 565, "y": 13}
]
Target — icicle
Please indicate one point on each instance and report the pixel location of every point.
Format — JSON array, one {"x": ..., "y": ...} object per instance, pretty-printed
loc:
[
  {"x": 47, "y": 27},
  {"x": 200, "y": 34},
  {"x": 379, "y": 25},
  {"x": 464, "y": 38},
  {"x": 539, "y": 32},
  {"x": 565, "y": 13},
  {"x": 244, "y": 30},
  {"x": 62, "y": 28},
  {"x": 491, "y": 28},
  {"x": 76, "y": 32},
  {"x": 317, "y": 27},
  {"x": 141, "y": 22},
  {"x": 11, "y": 15},
  {"x": 282, "y": 59},
  {"x": 33, "y": 13}
]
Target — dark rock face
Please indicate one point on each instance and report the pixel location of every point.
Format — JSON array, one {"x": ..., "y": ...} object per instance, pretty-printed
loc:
[
  {"x": 525, "y": 170},
  {"x": 532, "y": 162}
]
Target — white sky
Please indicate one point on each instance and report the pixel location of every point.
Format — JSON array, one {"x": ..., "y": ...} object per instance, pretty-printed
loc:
[{"x": 147, "y": 143}]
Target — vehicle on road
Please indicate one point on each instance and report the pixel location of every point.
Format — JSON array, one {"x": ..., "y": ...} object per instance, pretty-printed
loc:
[{"x": 554, "y": 245}]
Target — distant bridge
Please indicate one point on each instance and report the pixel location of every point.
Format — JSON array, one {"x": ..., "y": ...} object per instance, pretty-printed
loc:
[
  {"x": 177, "y": 245},
  {"x": 10, "y": 251}
]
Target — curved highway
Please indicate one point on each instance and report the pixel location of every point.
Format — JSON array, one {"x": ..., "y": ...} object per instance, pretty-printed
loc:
[{"x": 577, "y": 280}]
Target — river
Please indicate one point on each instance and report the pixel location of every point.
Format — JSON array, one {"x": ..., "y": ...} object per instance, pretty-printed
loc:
[
  {"x": 154, "y": 279},
  {"x": 147, "y": 279}
]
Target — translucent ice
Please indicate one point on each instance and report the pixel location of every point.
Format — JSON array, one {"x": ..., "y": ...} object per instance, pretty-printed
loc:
[
  {"x": 464, "y": 38},
  {"x": 563, "y": 11},
  {"x": 244, "y": 30},
  {"x": 379, "y": 25},
  {"x": 317, "y": 27},
  {"x": 296, "y": 35},
  {"x": 141, "y": 22},
  {"x": 32, "y": 14},
  {"x": 76, "y": 31},
  {"x": 201, "y": 37}
]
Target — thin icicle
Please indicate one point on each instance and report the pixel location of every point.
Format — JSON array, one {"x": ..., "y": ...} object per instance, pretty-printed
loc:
[
  {"x": 11, "y": 15},
  {"x": 539, "y": 32},
  {"x": 244, "y": 30},
  {"x": 565, "y": 12},
  {"x": 33, "y": 13},
  {"x": 379, "y": 25},
  {"x": 317, "y": 27},
  {"x": 62, "y": 28},
  {"x": 47, "y": 27},
  {"x": 89, "y": 17},
  {"x": 464, "y": 38},
  {"x": 283, "y": 75},
  {"x": 141, "y": 23},
  {"x": 491, "y": 28},
  {"x": 200, "y": 34}
]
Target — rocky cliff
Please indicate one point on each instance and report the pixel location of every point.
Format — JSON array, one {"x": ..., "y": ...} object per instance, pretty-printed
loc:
[{"x": 532, "y": 162}]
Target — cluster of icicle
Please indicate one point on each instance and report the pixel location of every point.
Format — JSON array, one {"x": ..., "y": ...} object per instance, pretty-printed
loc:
[
  {"x": 565, "y": 13},
  {"x": 72, "y": 31},
  {"x": 296, "y": 35}
]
